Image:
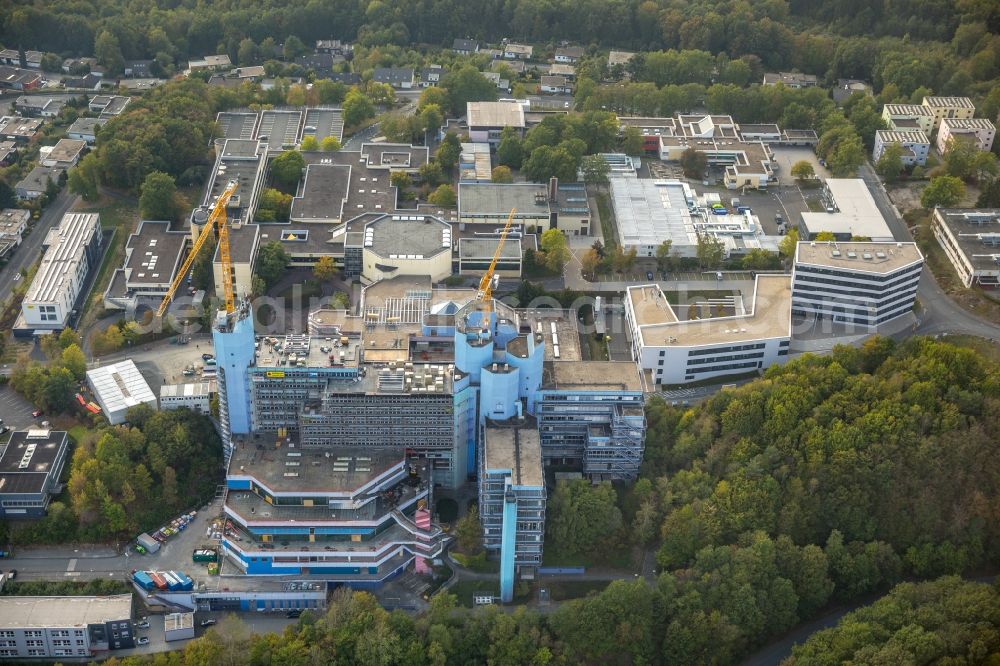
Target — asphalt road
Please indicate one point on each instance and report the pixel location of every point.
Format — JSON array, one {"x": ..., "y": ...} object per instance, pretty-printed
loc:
[
  {"x": 941, "y": 314},
  {"x": 30, "y": 247}
]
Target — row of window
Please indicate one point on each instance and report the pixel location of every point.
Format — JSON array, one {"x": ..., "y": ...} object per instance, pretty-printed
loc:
[
  {"x": 719, "y": 350},
  {"x": 717, "y": 368},
  {"x": 719, "y": 359}
]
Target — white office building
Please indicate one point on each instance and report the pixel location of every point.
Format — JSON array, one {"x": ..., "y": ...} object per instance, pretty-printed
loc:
[
  {"x": 78, "y": 627},
  {"x": 850, "y": 212},
  {"x": 195, "y": 396},
  {"x": 118, "y": 387},
  {"x": 858, "y": 283},
  {"x": 676, "y": 346},
  {"x": 71, "y": 251},
  {"x": 970, "y": 238}
]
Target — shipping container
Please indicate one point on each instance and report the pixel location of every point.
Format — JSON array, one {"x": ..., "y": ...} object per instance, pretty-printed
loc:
[
  {"x": 205, "y": 555},
  {"x": 186, "y": 583},
  {"x": 158, "y": 580},
  {"x": 143, "y": 580},
  {"x": 173, "y": 582}
]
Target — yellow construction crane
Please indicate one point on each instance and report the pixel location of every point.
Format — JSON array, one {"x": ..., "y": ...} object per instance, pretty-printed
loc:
[
  {"x": 217, "y": 218},
  {"x": 486, "y": 284}
]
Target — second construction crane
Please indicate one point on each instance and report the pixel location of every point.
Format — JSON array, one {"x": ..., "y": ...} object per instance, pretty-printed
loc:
[
  {"x": 489, "y": 279},
  {"x": 216, "y": 222}
]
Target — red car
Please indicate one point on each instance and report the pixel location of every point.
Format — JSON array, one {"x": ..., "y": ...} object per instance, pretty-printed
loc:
[{"x": 36, "y": 413}]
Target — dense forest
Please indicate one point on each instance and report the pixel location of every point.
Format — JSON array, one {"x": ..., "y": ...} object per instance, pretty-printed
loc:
[
  {"x": 125, "y": 479},
  {"x": 945, "y": 621},
  {"x": 829, "y": 479}
]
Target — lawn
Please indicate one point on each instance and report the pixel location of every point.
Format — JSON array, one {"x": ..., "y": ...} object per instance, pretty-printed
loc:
[
  {"x": 620, "y": 557},
  {"x": 464, "y": 589},
  {"x": 477, "y": 563},
  {"x": 607, "y": 220},
  {"x": 121, "y": 216},
  {"x": 563, "y": 590}
]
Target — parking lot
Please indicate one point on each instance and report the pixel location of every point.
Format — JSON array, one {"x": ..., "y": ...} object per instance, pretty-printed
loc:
[
  {"x": 15, "y": 410},
  {"x": 786, "y": 156}
]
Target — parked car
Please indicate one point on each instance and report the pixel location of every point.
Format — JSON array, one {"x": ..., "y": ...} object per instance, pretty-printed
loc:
[
  {"x": 294, "y": 613},
  {"x": 207, "y": 357},
  {"x": 142, "y": 624},
  {"x": 4, "y": 429},
  {"x": 36, "y": 413},
  {"x": 12, "y": 574},
  {"x": 718, "y": 275},
  {"x": 207, "y": 623},
  {"x": 142, "y": 640},
  {"x": 188, "y": 372}
]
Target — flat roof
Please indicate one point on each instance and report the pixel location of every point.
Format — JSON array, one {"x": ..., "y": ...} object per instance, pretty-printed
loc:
[
  {"x": 907, "y": 110},
  {"x": 323, "y": 194},
  {"x": 619, "y": 57},
  {"x": 86, "y": 125},
  {"x": 237, "y": 125},
  {"x": 977, "y": 232},
  {"x": 66, "y": 150},
  {"x": 649, "y": 212},
  {"x": 66, "y": 245},
  {"x": 38, "y": 178},
  {"x": 769, "y": 316},
  {"x": 948, "y": 102},
  {"x": 968, "y": 124},
  {"x": 592, "y": 376},
  {"x": 495, "y": 114},
  {"x": 334, "y": 469},
  {"x": 902, "y": 136},
  {"x": 517, "y": 449},
  {"x": 154, "y": 253},
  {"x": 485, "y": 248},
  {"x": 395, "y": 155},
  {"x": 12, "y": 220},
  {"x": 28, "y": 458},
  {"x": 60, "y": 612},
  {"x": 530, "y": 200},
  {"x": 243, "y": 242},
  {"x": 190, "y": 390},
  {"x": 410, "y": 236},
  {"x": 857, "y": 215},
  {"x": 280, "y": 127},
  {"x": 119, "y": 386},
  {"x": 369, "y": 190},
  {"x": 178, "y": 621},
  {"x": 323, "y": 121},
  {"x": 862, "y": 257}
]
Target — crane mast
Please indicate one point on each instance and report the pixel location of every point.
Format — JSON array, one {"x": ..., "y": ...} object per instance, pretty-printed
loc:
[
  {"x": 486, "y": 284},
  {"x": 217, "y": 219}
]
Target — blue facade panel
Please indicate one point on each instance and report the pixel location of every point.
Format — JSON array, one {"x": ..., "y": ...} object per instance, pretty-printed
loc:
[
  {"x": 508, "y": 541},
  {"x": 238, "y": 484},
  {"x": 234, "y": 352}
]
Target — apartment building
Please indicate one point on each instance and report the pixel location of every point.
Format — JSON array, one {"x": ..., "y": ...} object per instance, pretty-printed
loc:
[
  {"x": 979, "y": 131},
  {"x": 512, "y": 499},
  {"x": 676, "y": 346},
  {"x": 970, "y": 238},
  {"x": 948, "y": 107},
  {"x": 914, "y": 144},
  {"x": 866, "y": 284},
  {"x": 906, "y": 117}
]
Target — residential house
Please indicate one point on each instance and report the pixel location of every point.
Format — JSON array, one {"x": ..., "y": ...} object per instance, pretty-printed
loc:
[
  {"x": 139, "y": 84},
  {"x": 108, "y": 105},
  {"x": 790, "y": 79},
  {"x": 80, "y": 64},
  {"x": 85, "y": 129},
  {"x": 33, "y": 59},
  {"x": 321, "y": 63},
  {"x": 465, "y": 46},
  {"x": 948, "y": 107},
  {"x": 36, "y": 182},
  {"x": 513, "y": 51},
  {"x": 211, "y": 62},
  {"x": 619, "y": 58},
  {"x": 914, "y": 143},
  {"x": 138, "y": 69},
  {"x": 88, "y": 82},
  {"x": 347, "y": 78},
  {"x": 515, "y": 66},
  {"x": 493, "y": 54},
  {"x": 501, "y": 84},
  {"x": 979, "y": 131},
  {"x": 905, "y": 117},
  {"x": 19, "y": 130},
  {"x": 8, "y": 153},
  {"x": 13, "y": 223},
  {"x": 334, "y": 47},
  {"x": 397, "y": 77},
  {"x": 431, "y": 76},
  {"x": 569, "y": 71},
  {"x": 569, "y": 55},
  {"x": 254, "y": 73},
  {"x": 15, "y": 78},
  {"x": 35, "y": 106},
  {"x": 555, "y": 84},
  {"x": 65, "y": 154}
]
